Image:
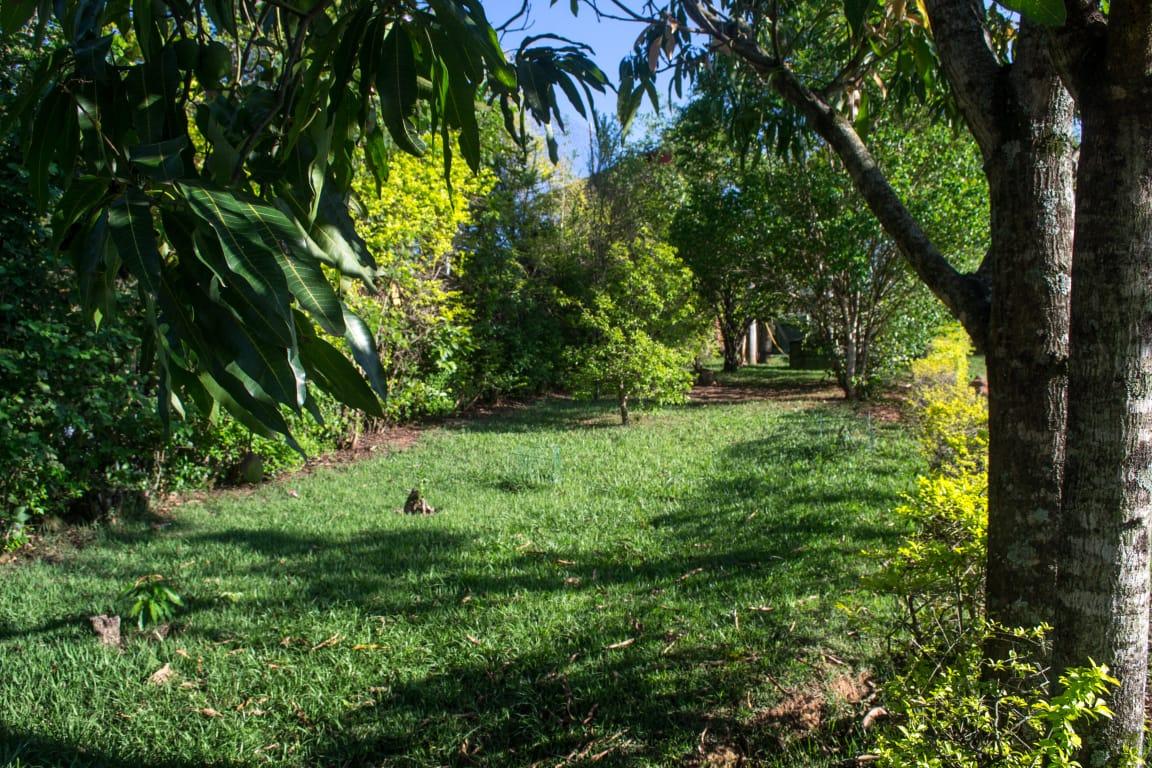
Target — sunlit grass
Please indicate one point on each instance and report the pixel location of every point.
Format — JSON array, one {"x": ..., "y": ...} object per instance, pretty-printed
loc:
[{"x": 584, "y": 590}]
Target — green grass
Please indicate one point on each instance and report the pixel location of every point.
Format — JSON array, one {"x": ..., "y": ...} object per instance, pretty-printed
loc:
[{"x": 584, "y": 589}]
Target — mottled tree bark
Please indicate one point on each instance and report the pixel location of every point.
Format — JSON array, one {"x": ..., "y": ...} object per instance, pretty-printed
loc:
[
  {"x": 1030, "y": 174},
  {"x": 1104, "y": 583}
]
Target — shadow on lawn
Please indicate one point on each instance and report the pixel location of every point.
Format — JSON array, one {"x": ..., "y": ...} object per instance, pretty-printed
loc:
[
  {"x": 577, "y": 697},
  {"x": 34, "y": 751},
  {"x": 539, "y": 708}
]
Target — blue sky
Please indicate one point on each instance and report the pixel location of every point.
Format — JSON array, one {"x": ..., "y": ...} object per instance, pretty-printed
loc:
[{"x": 612, "y": 40}]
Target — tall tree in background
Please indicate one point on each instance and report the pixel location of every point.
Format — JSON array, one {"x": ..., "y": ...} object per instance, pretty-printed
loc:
[
  {"x": 642, "y": 324},
  {"x": 719, "y": 229}
]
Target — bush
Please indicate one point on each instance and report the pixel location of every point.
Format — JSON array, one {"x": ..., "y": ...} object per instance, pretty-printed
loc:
[
  {"x": 970, "y": 713},
  {"x": 951, "y": 706}
]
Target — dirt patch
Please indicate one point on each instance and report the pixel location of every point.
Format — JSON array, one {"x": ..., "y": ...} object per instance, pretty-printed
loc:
[
  {"x": 378, "y": 442},
  {"x": 806, "y": 393},
  {"x": 383, "y": 440},
  {"x": 803, "y": 711}
]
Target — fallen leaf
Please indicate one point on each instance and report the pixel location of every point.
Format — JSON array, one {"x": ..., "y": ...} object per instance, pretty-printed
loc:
[
  {"x": 761, "y": 608},
  {"x": 209, "y": 712},
  {"x": 835, "y": 660},
  {"x": 692, "y": 572},
  {"x": 565, "y": 562},
  {"x": 621, "y": 644},
  {"x": 367, "y": 647},
  {"x": 472, "y": 640},
  {"x": 162, "y": 675},
  {"x": 293, "y": 493},
  {"x": 183, "y": 653},
  {"x": 335, "y": 639},
  {"x": 874, "y": 714}
]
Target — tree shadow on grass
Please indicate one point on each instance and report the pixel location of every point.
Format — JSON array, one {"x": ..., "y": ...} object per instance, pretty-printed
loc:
[
  {"x": 573, "y": 695},
  {"x": 31, "y": 750}
]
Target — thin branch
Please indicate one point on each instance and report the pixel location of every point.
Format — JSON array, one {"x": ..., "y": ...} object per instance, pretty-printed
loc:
[
  {"x": 502, "y": 28},
  {"x": 966, "y": 298},
  {"x": 286, "y": 79}
]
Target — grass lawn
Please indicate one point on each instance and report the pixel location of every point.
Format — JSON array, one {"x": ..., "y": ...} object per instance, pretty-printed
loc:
[{"x": 586, "y": 594}]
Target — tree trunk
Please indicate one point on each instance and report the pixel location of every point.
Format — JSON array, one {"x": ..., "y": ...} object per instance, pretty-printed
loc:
[
  {"x": 848, "y": 376},
  {"x": 1022, "y": 118},
  {"x": 731, "y": 331},
  {"x": 1104, "y": 587},
  {"x": 1032, "y": 208},
  {"x": 622, "y": 400}
]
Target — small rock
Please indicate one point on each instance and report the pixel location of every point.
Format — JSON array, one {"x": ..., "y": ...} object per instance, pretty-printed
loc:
[{"x": 108, "y": 628}]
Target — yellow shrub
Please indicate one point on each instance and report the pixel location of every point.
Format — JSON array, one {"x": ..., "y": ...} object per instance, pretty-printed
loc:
[{"x": 953, "y": 419}]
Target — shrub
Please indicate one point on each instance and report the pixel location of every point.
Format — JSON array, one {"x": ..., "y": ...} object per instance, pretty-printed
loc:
[
  {"x": 951, "y": 706},
  {"x": 964, "y": 714}
]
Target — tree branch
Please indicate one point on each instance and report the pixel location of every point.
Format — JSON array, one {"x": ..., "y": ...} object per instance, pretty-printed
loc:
[
  {"x": 966, "y": 296},
  {"x": 970, "y": 64},
  {"x": 1078, "y": 48}
]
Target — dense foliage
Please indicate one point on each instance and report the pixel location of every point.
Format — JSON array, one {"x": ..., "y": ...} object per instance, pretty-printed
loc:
[{"x": 207, "y": 150}]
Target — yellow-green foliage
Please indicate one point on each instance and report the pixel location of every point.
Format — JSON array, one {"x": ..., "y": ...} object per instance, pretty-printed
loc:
[
  {"x": 953, "y": 419},
  {"x": 973, "y": 713},
  {"x": 414, "y": 217},
  {"x": 419, "y": 322},
  {"x": 938, "y": 570},
  {"x": 946, "y": 364}
]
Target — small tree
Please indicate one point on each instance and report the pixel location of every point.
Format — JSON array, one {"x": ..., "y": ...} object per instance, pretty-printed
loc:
[{"x": 643, "y": 327}]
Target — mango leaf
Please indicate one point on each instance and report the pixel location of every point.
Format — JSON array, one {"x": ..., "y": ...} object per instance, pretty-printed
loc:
[
  {"x": 55, "y": 134},
  {"x": 363, "y": 347},
  {"x": 263, "y": 419},
  {"x": 14, "y": 14},
  {"x": 332, "y": 239},
  {"x": 249, "y": 264},
  {"x": 161, "y": 160},
  {"x": 398, "y": 89},
  {"x": 96, "y": 268},
  {"x": 81, "y": 198},
  {"x": 856, "y": 11},
  {"x": 130, "y": 224},
  {"x": 1050, "y": 13},
  {"x": 264, "y": 247},
  {"x": 306, "y": 280},
  {"x": 330, "y": 370}
]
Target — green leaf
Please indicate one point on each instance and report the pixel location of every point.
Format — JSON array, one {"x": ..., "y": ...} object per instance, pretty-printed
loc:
[
  {"x": 263, "y": 246},
  {"x": 856, "y": 11},
  {"x": 147, "y": 30},
  {"x": 306, "y": 279},
  {"x": 223, "y": 14},
  {"x": 55, "y": 133},
  {"x": 330, "y": 370},
  {"x": 398, "y": 89},
  {"x": 160, "y": 160},
  {"x": 96, "y": 266},
  {"x": 14, "y": 14},
  {"x": 1050, "y": 13},
  {"x": 462, "y": 114},
  {"x": 262, "y": 418},
  {"x": 363, "y": 347},
  {"x": 130, "y": 224},
  {"x": 78, "y": 202},
  {"x": 335, "y": 233}
]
